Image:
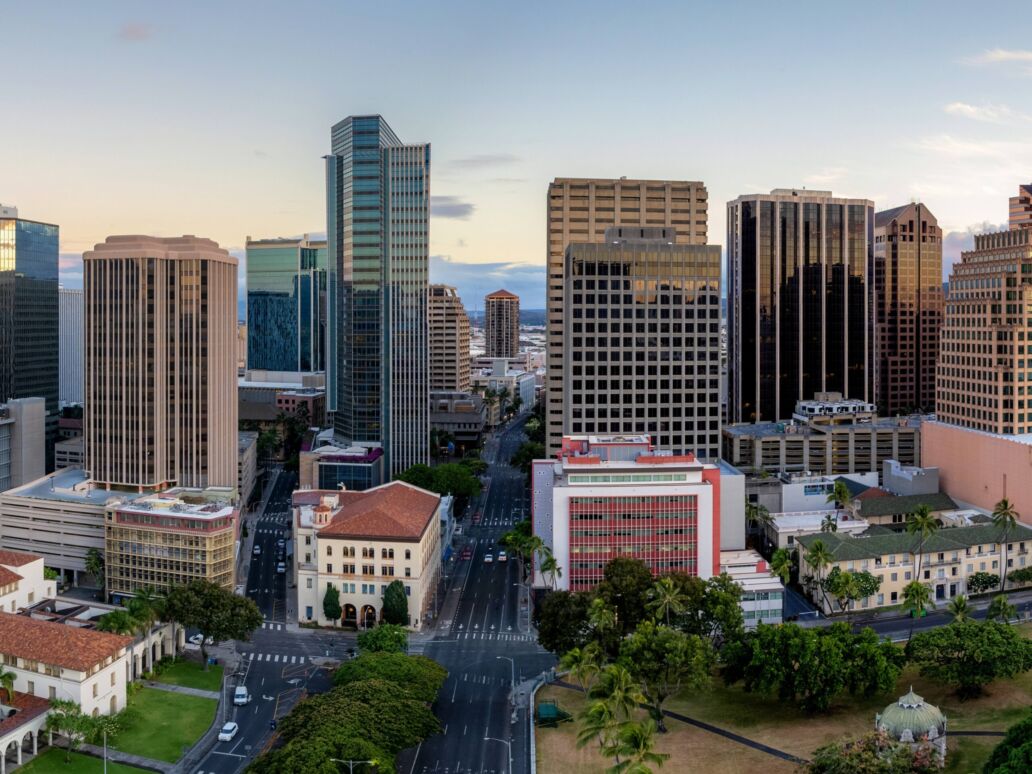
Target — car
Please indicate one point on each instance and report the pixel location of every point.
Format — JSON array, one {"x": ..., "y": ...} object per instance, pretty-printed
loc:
[
  {"x": 229, "y": 730},
  {"x": 257, "y": 550},
  {"x": 281, "y": 568},
  {"x": 488, "y": 558},
  {"x": 281, "y": 543},
  {"x": 241, "y": 696},
  {"x": 196, "y": 640},
  {"x": 502, "y": 556}
]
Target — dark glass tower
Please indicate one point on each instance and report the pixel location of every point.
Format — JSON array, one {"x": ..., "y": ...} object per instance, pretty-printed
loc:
[
  {"x": 378, "y": 196},
  {"x": 29, "y": 366},
  {"x": 799, "y": 301},
  {"x": 286, "y": 304}
]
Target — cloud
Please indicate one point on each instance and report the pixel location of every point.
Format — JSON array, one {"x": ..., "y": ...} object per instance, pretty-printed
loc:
[
  {"x": 826, "y": 175},
  {"x": 990, "y": 114},
  {"x": 451, "y": 207},
  {"x": 259, "y": 153},
  {"x": 948, "y": 145},
  {"x": 956, "y": 242},
  {"x": 135, "y": 32},
  {"x": 476, "y": 280},
  {"x": 484, "y": 160},
  {"x": 1021, "y": 58}
]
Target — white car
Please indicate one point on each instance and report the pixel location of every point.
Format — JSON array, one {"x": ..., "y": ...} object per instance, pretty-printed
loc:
[
  {"x": 196, "y": 640},
  {"x": 488, "y": 558},
  {"x": 228, "y": 732},
  {"x": 502, "y": 556},
  {"x": 281, "y": 568}
]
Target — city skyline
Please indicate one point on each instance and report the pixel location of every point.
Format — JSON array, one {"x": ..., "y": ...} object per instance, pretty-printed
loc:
[{"x": 959, "y": 147}]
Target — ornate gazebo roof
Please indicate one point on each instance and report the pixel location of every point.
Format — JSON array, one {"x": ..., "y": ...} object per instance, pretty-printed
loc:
[{"x": 910, "y": 718}]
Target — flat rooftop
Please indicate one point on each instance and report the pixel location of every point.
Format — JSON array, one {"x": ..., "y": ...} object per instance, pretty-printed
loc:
[
  {"x": 766, "y": 429},
  {"x": 174, "y": 505},
  {"x": 68, "y": 485}
]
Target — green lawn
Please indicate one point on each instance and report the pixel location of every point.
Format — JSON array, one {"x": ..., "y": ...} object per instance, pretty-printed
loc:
[
  {"x": 52, "y": 761},
  {"x": 192, "y": 675},
  {"x": 159, "y": 724}
]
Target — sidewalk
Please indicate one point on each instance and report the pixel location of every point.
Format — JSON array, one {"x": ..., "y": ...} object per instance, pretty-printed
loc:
[
  {"x": 130, "y": 760},
  {"x": 182, "y": 689}
]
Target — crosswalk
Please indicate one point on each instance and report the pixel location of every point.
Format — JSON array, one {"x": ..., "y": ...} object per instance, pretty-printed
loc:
[
  {"x": 279, "y": 658},
  {"x": 500, "y": 636},
  {"x": 276, "y": 627}
]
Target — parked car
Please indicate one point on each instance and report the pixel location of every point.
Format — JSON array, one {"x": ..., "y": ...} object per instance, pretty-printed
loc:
[
  {"x": 241, "y": 696},
  {"x": 257, "y": 550},
  {"x": 196, "y": 640},
  {"x": 488, "y": 558},
  {"x": 281, "y": 568},
  {"x": 228, "y": 732},
  {"x": 502, "y": 556},
  {"x": 281, "y": 543}
]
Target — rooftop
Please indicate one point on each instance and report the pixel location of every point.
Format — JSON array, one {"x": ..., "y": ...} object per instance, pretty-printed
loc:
[
  {"x": 66, "y": 646},
  {"x": 28, "y": 707},
  {"x": 877, "y": 542},
  {"x": 766, "y": 429},
  {"x": 502, "y": 294},
  {"x": 245, "y": 438},
  {"x": 176, "y": 504},
  {"x": 396, "y": 510},
  {"x": 69, "y": 485},
  {"x": 893, "y": 504},
  {"x": 17, "y": 558}
]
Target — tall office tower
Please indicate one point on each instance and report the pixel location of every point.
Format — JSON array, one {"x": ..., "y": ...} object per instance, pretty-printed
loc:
[
  {"x": 580, "y": 210},
  {"x": 502, "y": 324},
  {"x": 286, "y": 304},
  {"x": 982, "y": 369},
  {"x": 1021, "y": 208},
  {"x": 799, "y": 301},
  {"x": 70, "y": 345},
  {"x": 907, "y": 307},
  {"x": 29, "y": 316},
  {"x": 161, "y": 392},
  {"x": 449, "y": 341},
  {"x": 641, "y": 345},
  {"x": 378, "y": 195}
]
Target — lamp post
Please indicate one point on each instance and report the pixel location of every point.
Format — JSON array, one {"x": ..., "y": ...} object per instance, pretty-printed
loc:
[
  {"x": 105, "y": 750},
  {"x": 351, "y": 764},
  {"x": 512, "y": 682},
  {"x": 507, "y": 744}
]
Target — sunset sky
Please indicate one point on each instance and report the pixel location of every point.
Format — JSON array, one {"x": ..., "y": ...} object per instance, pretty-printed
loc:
[{"x": 211, "y": 118}]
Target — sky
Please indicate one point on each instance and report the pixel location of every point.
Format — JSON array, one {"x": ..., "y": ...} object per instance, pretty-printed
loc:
[{"x": 212, "y": 118}]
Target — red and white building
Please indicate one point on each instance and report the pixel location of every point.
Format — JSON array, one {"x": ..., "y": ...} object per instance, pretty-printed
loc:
[{"x": 605, "y": 497}]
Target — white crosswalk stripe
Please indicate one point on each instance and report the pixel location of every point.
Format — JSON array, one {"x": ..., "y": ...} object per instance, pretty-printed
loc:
[{"x": 278, "y": 658}]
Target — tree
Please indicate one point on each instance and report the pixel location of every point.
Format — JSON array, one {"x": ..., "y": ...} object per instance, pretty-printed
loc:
[
  {"x": 758, "y": 516},
  {"x": 711, "y": 607},
  {"x": 664, "y": 660},
  {"x": 618, "y": 688},
  {"x": 549, "y": 566},
  {"x": 916, "y": 597},
  {"x": 454, "y": 479},
  {"x": 923, "y": 524},
  {"x": 958, "y": 608},
  {"x": 49, "y": 573},
  {"x": 625, "y": 583},
  {"x": 476, "y": 465},
  {"x": 67, "y": 719},
  {"x": 1000, "y": 609},
  {"x": 117, "y": 622},
  {"x": 840, "y": 496},
  {"x": 874, "y": 753},
  {"x": 1017, "y": 739},
  {"x": 634, "y": 748},
  {"x": 982, "y": 581},
  {"x": 830, "y": 523},
  {"x": 395, "y": 604},
  {"x": 665, "y": 597},
  {"x": 583, "y": 664},
  {"x": 850, "y": 587},
  {"x": 562, "y": 621},
  {"x": 418, "y": 475},
  {"x": 818, "y": 557},
  {"x": 217, "y": 612},
  {"x": 1005, "y": 517},
  {"x": 95, "y": 566},
  {"x": 145, "y": 606},
  {"x": 598, "y": 723},
  {"x": 385, "y": 638},
  {"x": 331, "y": 604},
  {"x": 7, "y": 679},
  {"x": 970, "y": 655},
  {"x": 1024, "y": 575},
  {"x": 419, "y": 675},
  {"x": 604, "y": 625},
  {"x": 524, "y": 456},
  {"x": 781, "y": 564}
]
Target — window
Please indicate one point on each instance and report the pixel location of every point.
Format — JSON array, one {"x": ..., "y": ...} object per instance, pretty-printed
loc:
[
  {"x": 408, "y": 590},
  {"x": 112, "y": 678},
  {"x": 329, "y": 567},
  {"x": 408, "y": 572},
  {"x": 895, "y": 577},
  {"x": 53, "y": 692},
  {"x": 894, "y": 597},
  {"x": 408, "y": 554},
  {"x": 308, "y": 612},
  {"x": 308, "y": 540},
  {"x": 881, "y": 599},
  {"x": 329, "y": 550},
  {"x": 95, "y": 692},
  {"x": 32, "y": 688},
  {"x": 387, "y": 553},
  {"x": 308, "y": 583}
]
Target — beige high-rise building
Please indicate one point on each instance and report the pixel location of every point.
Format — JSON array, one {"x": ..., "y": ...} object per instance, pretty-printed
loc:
[
  {"x": 502, "y": 324},
  {"x": 449, "y": 340},
  {"x": 1021, "y": 208},
  {"x": 580, "y": 210},
  {"x": 161, "y": 393}
]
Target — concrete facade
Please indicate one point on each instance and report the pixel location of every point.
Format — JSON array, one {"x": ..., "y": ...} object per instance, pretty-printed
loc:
[
  {"x": 23, "y": 427},
  {"x": 502, "y": 324},
  {"x": 70, "y": 345},
  {"x": 449, "y": 340}
]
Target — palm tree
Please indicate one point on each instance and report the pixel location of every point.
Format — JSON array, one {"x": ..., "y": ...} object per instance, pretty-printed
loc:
[
  {"x": 144, "y": 607},
  {"x": 917, "y": 597},
  {"x": 7, "y": 683},
  {"x": 922, "y": 523},
  {"x": 634, "y": 748},
  {"x": 601, "y": 617},
  {"x": 619, "y": 690},
  {"x": 665, "y": 597},
  {"x": 584, "y": 665},
  {"x": 117, "y": 622},
  {"x": 550, "y": 566},
  {"x": 781, "y": 564},
  {"x": 1000, "y": 609},
  {"x": 1004, "y": 517},
  {"x": 758, "y": 516},
  {"x": 959, "y": 609},
  {"x": 598, "y": 722},
  {"x": 829, "y": 523},
  {"x": 819, "y": 557},
  {"x": 840, "y": 495}
]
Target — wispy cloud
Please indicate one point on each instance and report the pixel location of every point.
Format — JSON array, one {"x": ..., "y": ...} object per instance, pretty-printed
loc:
[
  {"x": 476, "y": 280},
  {"x": 956, "y": 242},
  {"x": 958, "y": 147},
  {"x": 990, "y": 114},
  {"x": 484, "y": 161},
  {"x": 134, "y": 32},
  {"x": 826, "y": 175},
  {"x": 1020, "y": 60},
  {"x": 451, "y": 207}
]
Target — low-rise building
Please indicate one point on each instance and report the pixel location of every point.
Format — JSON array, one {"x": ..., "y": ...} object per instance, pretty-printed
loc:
[
  {"x": 909, "y": 479},
  {"x": 461, "y": 415},
  {"x": 360, "y": 542},
  {"x": 69, "y": 454},
  {"x": 763, "y": 595},
  {"x": 948, "y": 558},
  {"x": 785, "y": 529},
  {"x": 247, "y": 465},
  {"x": 23, "y": 581},
  {"x": 264, "y": 395},
  {"x": 508, "y": 382},
  {"x": 330, "y": 467},
  {"x": 22, "y": 441}
]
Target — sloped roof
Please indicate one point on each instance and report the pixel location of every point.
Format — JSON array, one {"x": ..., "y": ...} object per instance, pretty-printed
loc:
[
  {"x": 397, "y": 511},
  {"x": 17, "y": 558},
  {"x": 8, "y": 576},
  {"x": 887, "y": 216},
  {"x": 911, "y": 713},
  {"x": 502, "y": 294},
  {"x": 888, "y": 506},
  {"x": 62, "y": 645},
  {"x": 876, "y": 542}
]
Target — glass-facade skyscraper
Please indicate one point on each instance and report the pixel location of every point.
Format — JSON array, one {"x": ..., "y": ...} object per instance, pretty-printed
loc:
[
  {"x": 800, "y": 289},
  {"x": 378, "y": 196},
  {"x": 29, "y": 315},
  {"x": 286, "y": 304}
]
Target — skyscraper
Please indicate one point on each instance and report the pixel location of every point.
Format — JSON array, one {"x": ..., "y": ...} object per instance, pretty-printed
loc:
[
  {"x": 29, "y": 315},
  {"x": 641, "y": 345},
  {"x": 502, "y": 324},
  {"x": 1021, "y": 208},
  {"x": 799, "y": 287},
  {"x": 378, "y": 196},
  {"x": 161, "y": 397},
  {"x": 907, "y": 307},
  {"x": 580, "y": 210},
  {"x": 71, "y": 345},
  {"x": 286, "y": 304},
  {"x": 449, "y": 341}
]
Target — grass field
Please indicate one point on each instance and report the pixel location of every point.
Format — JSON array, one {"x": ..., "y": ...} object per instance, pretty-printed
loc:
[
  {"x": 52, "y": 761},
  {"x": 191, "y": 674},
  {"x": 159, "y": 724},
  {"x": 766, "y": 720}
]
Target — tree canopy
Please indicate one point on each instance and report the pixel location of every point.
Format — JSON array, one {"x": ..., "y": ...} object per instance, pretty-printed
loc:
[
  {"x": 452, "y": 478},
  {"x": 217, "y": 612},
  {"x": 970, "y": 654},
  {"x": 395, "y": 604},
  {"x": 1013, "y": 755},
  {"x": 385, "y": 638},
  {"x": 873, "y": 753},
  {"x": 420, "y": 676},
  {"x": 562, "y": 621}
]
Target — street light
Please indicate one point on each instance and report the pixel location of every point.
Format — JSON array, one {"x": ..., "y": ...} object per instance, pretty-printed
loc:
[
  {"x": 512, "y": 684},
  {"x": 507, "y": 744},
  {"x": 351, "y": 764}
]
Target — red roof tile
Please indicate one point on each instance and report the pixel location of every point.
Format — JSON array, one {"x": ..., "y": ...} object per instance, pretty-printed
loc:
[
  {"x": 57, "y": 644},
  {"x": 28, "y": 707},
  {"x": 17, "y": 558},
  {"x": 8, "y": 576},
  {"x": 396, "y": 510},
  {"x": 502, "y": 294}
]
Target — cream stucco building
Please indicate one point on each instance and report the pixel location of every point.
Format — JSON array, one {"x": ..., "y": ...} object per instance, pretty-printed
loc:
[{"x": 362, "y": 541}]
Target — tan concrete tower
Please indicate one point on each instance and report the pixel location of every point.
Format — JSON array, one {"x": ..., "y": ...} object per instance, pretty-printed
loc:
[
  {"x": 161, "y": 398},
  {"x": 502, "y": 324},
  {"x": 449, "y": 340}
]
